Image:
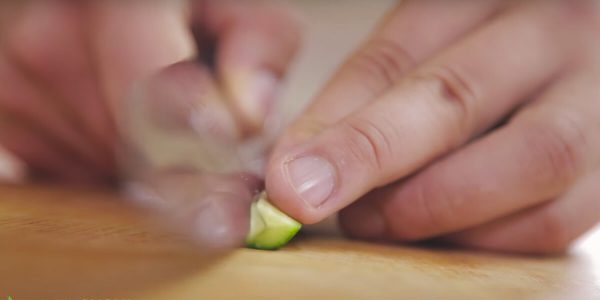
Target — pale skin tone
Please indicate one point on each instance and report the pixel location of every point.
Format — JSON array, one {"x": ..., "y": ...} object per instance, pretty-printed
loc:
[
  {"x": 473, "y": 122},
  {"x": 67, "y": 67}
]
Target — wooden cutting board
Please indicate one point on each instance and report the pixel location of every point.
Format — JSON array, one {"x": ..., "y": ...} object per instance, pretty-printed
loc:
[{"x": 78, "y": 244}]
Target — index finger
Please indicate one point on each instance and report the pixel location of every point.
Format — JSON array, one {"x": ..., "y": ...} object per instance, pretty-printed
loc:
[{"x": 411, "y": 33}]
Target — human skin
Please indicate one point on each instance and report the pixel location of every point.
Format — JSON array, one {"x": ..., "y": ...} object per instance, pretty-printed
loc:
[
  {"x": 471, "y": 122},
  {"x": 68, "y": 67},
  {"x": 468, "y": 121}
]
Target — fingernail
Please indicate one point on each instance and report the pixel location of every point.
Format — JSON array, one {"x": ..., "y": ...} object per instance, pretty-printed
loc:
[
  {"x": 313, "y": 179},
  {"x": 257, "y": 95}
]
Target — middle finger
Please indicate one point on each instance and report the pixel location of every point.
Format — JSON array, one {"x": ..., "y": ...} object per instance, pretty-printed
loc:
[{"x": 540, "y": 153}]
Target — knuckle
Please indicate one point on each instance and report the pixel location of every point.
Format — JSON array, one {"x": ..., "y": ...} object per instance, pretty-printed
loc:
[
  {"x": 430, "y": 212},
  {"x": 558, "y": 147},
  {"x": 437, "y": 209},
  {"x": 381, "y": 62},
  {"x": 451, "y": 89},
  {"x": 368, "y": 142}
]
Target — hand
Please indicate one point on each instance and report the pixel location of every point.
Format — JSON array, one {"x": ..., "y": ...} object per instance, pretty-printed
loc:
[
  {"x": 67, "y": 66},
  {"x": 67, "y": 69},
  {"x": 471, "y": 121}
]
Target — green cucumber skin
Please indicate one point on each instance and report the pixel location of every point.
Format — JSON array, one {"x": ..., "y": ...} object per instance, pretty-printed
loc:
[
  {"x": 268, "y": 238},
  {"x": 257, "y": 247},
  {"x": 277, "y": 246}
]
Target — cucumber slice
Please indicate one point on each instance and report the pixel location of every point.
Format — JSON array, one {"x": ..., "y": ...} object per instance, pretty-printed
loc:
[{"x": 270, "y": 228}]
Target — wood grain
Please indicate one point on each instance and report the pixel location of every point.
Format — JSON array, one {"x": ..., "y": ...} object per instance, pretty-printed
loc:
[{"x": 84, "y": 244}]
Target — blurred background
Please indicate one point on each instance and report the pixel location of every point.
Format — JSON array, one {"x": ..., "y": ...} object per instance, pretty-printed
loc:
[{"x": 332, "y": 30}]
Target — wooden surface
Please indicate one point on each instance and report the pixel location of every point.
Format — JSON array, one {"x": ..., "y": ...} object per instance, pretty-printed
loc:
[{"x": 76, "y": 244}]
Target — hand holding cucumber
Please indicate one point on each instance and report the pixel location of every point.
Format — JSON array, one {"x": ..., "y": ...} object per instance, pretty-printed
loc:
[
  {"x": 471, "y": 122},
  {"x": 68, "y": 70}
]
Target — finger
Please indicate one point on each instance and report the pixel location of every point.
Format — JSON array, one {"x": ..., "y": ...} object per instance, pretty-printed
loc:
[
  {"x": 547, "y": 229},
  {"x": 213, "y": 209},
  {"x": 179, "y": 118},
  {"x": 460, "y": 93},
  {"x": 23, "y": 100},
  {"x": 44, "y": 160},
  {"x": 257, "y": 41},
  {"x": 537, "y": 156},
  {"x": 12, "y": 169},
  {"x": 406, "y": 38},
  {"x": 134, "y": 39},
  {"x": 49, "y": 41},
  {"x": 181, "y": 129}
]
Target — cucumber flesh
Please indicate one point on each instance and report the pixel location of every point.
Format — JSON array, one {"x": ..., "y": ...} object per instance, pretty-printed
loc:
[{"x": 270, "y": 228}]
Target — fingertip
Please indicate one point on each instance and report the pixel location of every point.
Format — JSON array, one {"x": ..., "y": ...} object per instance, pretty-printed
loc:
[
  {"x": 12, "y": 169},
  {"x": 211, "y": 210},
  {"x": 255, "y": 52},
  {"x": 283, "y": 195},
  {"x": 220, "y": 222},
  {"x": 253, "y": 92}
]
